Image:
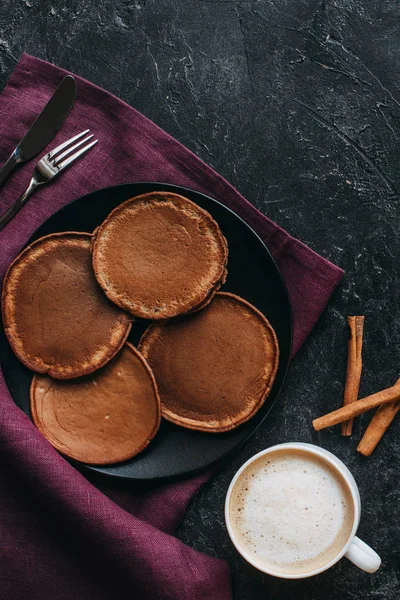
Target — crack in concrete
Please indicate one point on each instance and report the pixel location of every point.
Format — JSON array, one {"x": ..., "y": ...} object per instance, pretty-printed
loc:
[
  {"x": 331, "y": 40},
  {"x": 345, "y": 138},
  {"x": 246, "y": 52}
]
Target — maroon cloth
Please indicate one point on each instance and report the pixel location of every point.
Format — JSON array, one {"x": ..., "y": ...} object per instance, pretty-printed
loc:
[{"x": 61, "y": 536}]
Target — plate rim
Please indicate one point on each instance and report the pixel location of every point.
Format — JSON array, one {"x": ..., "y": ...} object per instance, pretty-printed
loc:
[{"x": 99, "y": 470}]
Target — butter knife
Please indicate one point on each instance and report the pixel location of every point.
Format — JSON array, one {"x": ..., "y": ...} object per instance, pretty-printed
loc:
[{"x": 44, "y": 128}]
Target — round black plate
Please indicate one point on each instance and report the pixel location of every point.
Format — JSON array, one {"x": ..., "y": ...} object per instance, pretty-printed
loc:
[{"x": 252, "y": 274}]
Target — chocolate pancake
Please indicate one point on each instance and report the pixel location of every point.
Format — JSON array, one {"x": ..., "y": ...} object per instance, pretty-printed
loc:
[
  {"x": 214, "y": 368},
  {"x": 56, "y": 317},
  {"x": 104, "y": 418},
  {"x": 159, "y": 255}
]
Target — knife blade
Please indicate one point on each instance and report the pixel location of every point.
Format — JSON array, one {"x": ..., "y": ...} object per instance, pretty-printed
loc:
[{"x": 44, "y": 127}]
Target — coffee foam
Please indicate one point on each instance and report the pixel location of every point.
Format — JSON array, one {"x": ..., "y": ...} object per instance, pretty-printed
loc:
[{"x": 291, "y": 511}]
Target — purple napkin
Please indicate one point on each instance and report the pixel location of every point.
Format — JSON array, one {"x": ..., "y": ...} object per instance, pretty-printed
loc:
[{"x": 62, "y": 537}]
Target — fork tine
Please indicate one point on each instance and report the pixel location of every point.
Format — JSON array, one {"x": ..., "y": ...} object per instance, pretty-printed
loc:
[
  {"x": 70, "y": 149},
  {"x": 72, "y": 158},
  {"x": 67, "y": 143}
]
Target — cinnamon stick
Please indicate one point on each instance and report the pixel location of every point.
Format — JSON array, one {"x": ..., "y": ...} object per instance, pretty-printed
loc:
[
  {"x": 378, "y": 426},
  {"x": 357, "y": 408},
  {"x": 354, "y": 367}
]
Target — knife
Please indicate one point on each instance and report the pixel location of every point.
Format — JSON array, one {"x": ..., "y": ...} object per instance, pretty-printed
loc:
[{"x": 44, "y": 128}]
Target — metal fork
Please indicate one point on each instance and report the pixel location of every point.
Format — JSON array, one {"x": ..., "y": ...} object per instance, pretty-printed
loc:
[{"x": 48, "y": 167}]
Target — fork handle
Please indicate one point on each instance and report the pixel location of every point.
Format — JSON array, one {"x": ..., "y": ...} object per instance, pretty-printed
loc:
[
  {"x": 9, "y": 166},
  {"x": 14, "y": 208}
]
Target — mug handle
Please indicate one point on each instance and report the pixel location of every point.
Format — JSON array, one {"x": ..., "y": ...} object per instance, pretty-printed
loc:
[{"x": 360, "y": 554}]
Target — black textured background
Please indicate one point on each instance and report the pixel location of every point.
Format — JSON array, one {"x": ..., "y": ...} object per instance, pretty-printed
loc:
[{"x": 297, "y": 103}]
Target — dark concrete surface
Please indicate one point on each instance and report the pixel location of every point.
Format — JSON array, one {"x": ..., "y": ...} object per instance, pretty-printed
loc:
[{"x": 297, "y": 103}]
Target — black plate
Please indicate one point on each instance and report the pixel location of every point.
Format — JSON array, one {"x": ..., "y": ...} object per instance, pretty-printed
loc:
[{"x": 252, "y": 274}]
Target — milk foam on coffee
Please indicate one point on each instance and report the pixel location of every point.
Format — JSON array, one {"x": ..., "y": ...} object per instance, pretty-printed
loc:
[{"x": 291, "y": 512}]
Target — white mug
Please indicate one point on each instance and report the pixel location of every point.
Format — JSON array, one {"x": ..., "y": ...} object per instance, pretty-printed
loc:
[{"x": 357, "y": 551}]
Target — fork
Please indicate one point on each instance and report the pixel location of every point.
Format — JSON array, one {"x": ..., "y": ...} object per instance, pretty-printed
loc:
[{"x": 48, "y": 167}]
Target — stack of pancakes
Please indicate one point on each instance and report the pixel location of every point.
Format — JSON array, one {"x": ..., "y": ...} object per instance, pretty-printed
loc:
[
  {"x": 207, "y": 362},
  {"x": 159, "y": 255}
]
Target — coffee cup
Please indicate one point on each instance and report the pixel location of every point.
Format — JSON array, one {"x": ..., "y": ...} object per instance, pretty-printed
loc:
[{"x": 293, "y": 510}]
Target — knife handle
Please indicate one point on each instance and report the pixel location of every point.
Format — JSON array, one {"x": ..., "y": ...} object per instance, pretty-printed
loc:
[
  {"x": 9, "y": 165},
  {"x": 14, "y": 208}
]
